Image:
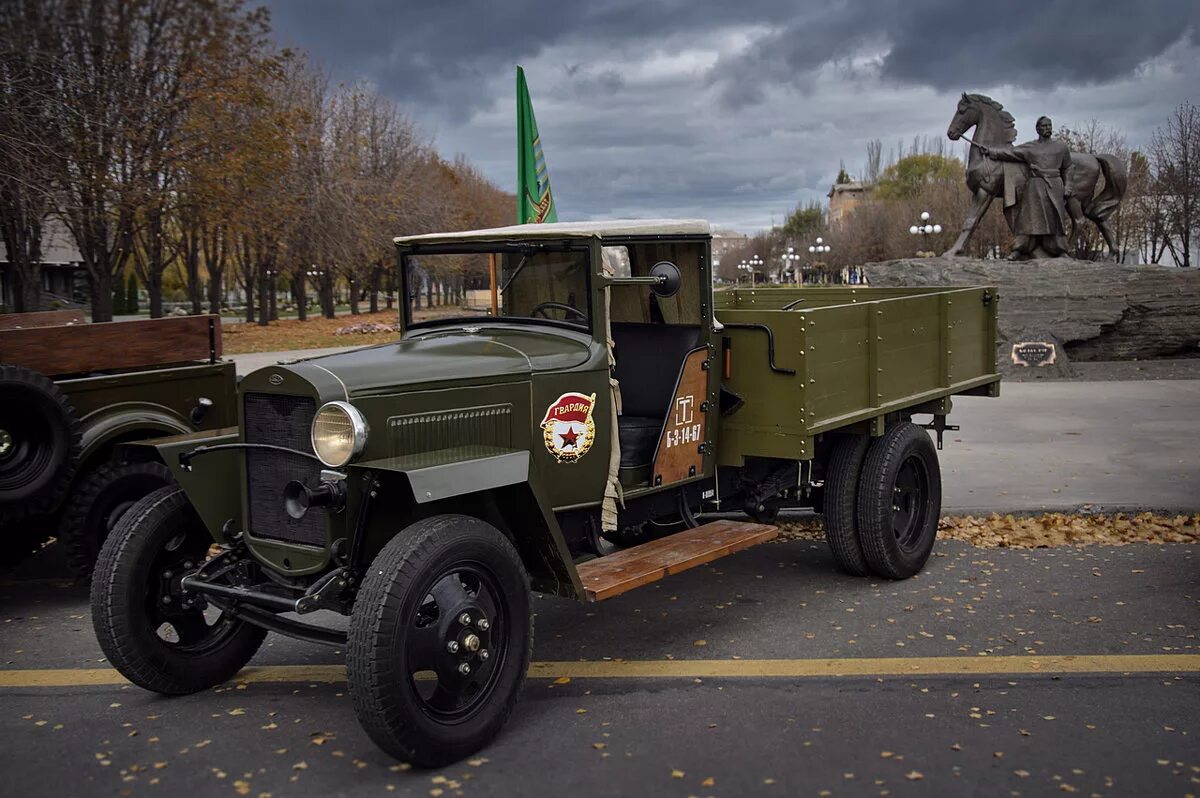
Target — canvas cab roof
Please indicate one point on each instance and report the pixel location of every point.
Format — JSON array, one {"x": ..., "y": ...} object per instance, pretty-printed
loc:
[{"x": 619, "y": 228}]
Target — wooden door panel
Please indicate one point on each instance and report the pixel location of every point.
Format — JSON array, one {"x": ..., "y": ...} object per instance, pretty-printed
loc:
[{"x": 679, "y": 455}]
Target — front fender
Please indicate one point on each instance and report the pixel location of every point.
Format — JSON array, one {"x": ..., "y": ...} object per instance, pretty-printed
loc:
[
  {"x": 125, "y": 420},
  {"x": 501, "y": 482},
  {"x": 212, "y": 484}
]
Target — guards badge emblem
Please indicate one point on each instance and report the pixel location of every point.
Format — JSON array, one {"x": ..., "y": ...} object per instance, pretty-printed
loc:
[{"x": 568, "y": 429}]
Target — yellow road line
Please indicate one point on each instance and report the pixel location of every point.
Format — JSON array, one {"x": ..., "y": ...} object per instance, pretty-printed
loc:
[{"x": 693, "y": 668}]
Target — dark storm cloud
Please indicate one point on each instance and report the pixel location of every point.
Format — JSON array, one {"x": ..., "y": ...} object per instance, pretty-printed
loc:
[
  {"x": 950, "y": 43},
  {"x": 443, "y": 53},
  {"x": 737, "y": 110}
]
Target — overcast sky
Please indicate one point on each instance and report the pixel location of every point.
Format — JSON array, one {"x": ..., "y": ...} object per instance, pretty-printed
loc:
[{"x": 736, "y": 110}]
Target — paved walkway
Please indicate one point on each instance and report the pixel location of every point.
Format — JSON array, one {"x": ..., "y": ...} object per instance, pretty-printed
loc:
[{"x": 1058, "y": 445}]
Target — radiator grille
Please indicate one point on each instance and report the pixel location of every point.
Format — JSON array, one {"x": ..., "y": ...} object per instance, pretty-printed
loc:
[
  {"x": 474, "y": 429},
  {"x": 280, "y": 421}
]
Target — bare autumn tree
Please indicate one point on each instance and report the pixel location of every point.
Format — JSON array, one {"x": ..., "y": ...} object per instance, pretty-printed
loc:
[
  {"x": 175, "y": 136},
  {"x": 233, "y": 65},
  {"x": 392, "y": 159},
  {"x": 121, "y": 67},
  {"x": 1175, "y": 150},
  {"x": 1148, "y": 209},
  {"x": 111, "y": 86},
  {"x": 1096, "y": 138},
  {"x": 26, "y": 145}
]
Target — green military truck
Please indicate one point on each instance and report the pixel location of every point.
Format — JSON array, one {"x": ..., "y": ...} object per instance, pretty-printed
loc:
[
  {"x": 561, "y": 433},
  {"x": 71, "y": 393}
]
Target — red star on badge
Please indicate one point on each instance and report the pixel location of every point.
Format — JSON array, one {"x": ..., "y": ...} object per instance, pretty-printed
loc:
[{"x": 569, "y": 438}]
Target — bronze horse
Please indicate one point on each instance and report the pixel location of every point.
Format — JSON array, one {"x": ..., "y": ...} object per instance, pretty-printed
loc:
[{"x": 985, "y": 176}]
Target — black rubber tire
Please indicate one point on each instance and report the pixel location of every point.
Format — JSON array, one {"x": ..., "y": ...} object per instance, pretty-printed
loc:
[
  {"x": 888, "y": 555},
  {"x": 121, "y": 595},
  {"x": 385, "y": 697},
  {"x": 96, "y": 505},
  {"x": 842, "y": 474},
  {"x": 39, "y": 428}
]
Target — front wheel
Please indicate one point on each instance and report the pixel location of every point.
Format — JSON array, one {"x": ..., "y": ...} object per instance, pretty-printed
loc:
[
  {"x": 149, "y": 633},
  {"x": 899, "y": 501},
  {"x": 440, "y": 638}
]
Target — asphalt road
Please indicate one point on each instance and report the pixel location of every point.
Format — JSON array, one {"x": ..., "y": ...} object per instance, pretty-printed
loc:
[{"x": 965, "y": 687}]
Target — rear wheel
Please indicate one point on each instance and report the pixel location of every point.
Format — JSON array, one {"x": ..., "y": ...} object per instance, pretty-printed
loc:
[
  {"x": 440, "y": 638},
  {"x": 842, "y": 474},
  {"x": 39, "y": 443},
  {"x": 899, "y": 501},
  {"x": 98, "y": 503},
  {"x": 148, "y": 633}
]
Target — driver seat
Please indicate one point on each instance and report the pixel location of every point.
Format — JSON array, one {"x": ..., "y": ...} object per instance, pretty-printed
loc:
[
  {"x": 639, "y": 440},
  {"x": 648, "y": 360}
]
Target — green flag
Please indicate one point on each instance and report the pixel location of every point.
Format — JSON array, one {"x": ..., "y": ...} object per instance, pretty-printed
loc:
[{"x": 535, "y": 204}]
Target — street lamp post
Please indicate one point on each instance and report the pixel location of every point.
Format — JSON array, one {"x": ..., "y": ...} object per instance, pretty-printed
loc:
[
  {"x": 819, "y": 247},
  {"x": 925, "y": 229},
  {"x": 791, "y": 263},
  {"x": 750, "y": 266}
]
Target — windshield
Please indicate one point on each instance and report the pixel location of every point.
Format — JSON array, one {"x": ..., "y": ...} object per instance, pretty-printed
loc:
[{"x": 532, "y": 285}]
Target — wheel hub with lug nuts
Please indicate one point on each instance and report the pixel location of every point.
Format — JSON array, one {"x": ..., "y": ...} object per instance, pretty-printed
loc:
[
  {"x": 6, "y": 442},
  {"x": 467, "y": 645}
]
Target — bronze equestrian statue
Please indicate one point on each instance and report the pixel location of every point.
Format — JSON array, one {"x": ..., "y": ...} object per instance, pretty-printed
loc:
[{"x": 1042, "y": 182}]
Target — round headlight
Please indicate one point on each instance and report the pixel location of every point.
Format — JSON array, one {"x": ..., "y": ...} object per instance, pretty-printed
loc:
[{"x": 339, "y": 433}]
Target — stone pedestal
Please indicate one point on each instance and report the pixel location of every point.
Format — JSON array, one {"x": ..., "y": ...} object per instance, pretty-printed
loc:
[{"x": 1089, "y": 310}]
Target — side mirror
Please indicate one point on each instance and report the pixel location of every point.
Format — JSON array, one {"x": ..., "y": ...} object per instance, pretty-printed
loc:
[{"x": 666, "y": 278}]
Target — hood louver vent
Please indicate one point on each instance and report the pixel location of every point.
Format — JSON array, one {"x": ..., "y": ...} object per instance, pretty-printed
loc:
[{"x": 474, "y": 429}]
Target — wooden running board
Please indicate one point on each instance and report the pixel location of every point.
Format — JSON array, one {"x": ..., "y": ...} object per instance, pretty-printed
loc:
[{"x": 605, "y": 577}]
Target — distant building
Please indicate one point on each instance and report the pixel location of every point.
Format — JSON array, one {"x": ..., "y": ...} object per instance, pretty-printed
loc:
[
  {"x": 64, "y": 278},
  {"x": 844, "y": 197},
  {"x": 726, "y": 241}
]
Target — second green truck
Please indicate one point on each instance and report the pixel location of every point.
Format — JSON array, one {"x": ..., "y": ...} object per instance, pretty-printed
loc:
[{"x": 560, "y": 431}]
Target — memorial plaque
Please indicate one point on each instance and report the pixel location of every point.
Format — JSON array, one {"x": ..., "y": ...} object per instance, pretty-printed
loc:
[{"x": 1034, "y": 353}]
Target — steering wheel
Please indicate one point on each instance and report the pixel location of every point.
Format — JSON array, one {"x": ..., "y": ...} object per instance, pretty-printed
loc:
[{"x": 541, "y": 309}]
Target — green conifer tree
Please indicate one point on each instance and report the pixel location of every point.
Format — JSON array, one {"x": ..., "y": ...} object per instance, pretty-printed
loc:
[
  {"x": 131, "y": 297},
  {"x": 118, "y": 292}
]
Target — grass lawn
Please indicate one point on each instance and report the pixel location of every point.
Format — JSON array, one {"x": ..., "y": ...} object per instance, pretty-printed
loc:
[{"x": 316, "y": 332}]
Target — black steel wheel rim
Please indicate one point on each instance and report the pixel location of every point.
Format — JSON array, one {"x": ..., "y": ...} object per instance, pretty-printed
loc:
[
  {"x": 189, "y": 624},
  {"x": 910, "y": 502},
  {"x": 26, "y": 444},
  {"x": 457, "y": 642}
]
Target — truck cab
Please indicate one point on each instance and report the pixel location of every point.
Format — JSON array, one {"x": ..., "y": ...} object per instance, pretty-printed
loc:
[{"x": 615, "y": 323}]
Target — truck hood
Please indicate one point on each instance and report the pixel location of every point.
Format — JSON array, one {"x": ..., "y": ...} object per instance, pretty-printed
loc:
[{"x": 476, "y": 355}]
